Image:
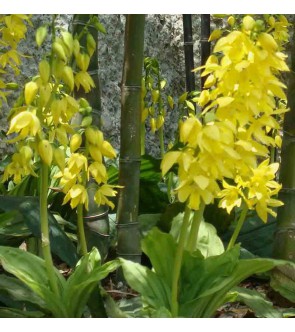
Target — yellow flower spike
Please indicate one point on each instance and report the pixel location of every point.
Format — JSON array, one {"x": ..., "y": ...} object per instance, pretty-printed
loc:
[
  {"x": 45, "y": 151},
  {"x": 31, "y": 90},
  {"x": 75, "y": 142},
  {"x": 107, "y": 150},
  {"x": 59, "y": 158}
]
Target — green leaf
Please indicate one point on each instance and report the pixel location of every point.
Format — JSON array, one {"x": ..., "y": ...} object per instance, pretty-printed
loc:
[
  {"x": 158, "y": 242},
  {"x": 14, "y": 292},
  {"x": 29, "y": 208},
  {"x": 257, "y": 302},
  {"x": 208, "y": 242},
  {"x": 12, "y": 229},
  {"x": 182, "y": 98},
  {"x": 152, "y": 287},
  {"x": 84, "y": 279},
  {"x": 283, "y": 281},
  {"x": 147, "y": 222},
  {"x": 218, "y": 275},
  {"x": 16, "y": 313},
  {"x": 30, "y": 269}
]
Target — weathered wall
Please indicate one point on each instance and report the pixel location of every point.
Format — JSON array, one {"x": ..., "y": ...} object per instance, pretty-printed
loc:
[{"x": 163, "y": 40}]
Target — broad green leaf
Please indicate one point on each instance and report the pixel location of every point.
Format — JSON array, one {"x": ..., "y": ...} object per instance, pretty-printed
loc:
[
  {"x": 147, "y": 222},
  {"x": 82, "y": 282},
  {"x": 28, "y": 206},
  {"x": 257, "y": 302},
  {"x": 12, "y": 229},
  {"x": 283, "y": 281},
  {"x": 208, "y": 242},
  {"x": 244, "y": 269},
  {"x": 158, "y": 242},
  {"x": 13, "y": 291},
  {"x": 16, "y": 313},
  {"x": 152, "y": 287},
  {"x": 30, "y": 269}
]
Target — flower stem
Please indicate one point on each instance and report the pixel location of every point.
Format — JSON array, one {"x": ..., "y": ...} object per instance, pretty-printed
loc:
[
  {"x": 45, "y": 229},
  {"x": 161, "y": 139},
  {"x": 178, "y": 262},
  {"x": 142, "y": 139},
  {"x": 193, "y": 236},
  {"x": 81, "y": 232},
  {"x": 238, "y": 227}
]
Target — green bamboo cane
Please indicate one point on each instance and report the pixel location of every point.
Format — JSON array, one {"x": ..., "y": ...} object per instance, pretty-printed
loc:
[
  {"x": 188, "y": 52},
  {"x": 284, "y": 241},
  {"x": 205, "y": 44},
  {"x": 128, "y": 245}
]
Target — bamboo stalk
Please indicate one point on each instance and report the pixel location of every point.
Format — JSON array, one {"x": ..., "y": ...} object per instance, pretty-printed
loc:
[
  {"x": 284, "y": 239},
  {"x": 188, "y": 52},
  {"x": 205, "y": 44},
  {"x": 128, "y": 245}
]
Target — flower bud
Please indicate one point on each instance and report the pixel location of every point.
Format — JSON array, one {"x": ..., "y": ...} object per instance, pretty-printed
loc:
[
  {"x": 31, "y": 90},
  {"x": 75, "y": 142},
  {"x": 45, "y": 151}
]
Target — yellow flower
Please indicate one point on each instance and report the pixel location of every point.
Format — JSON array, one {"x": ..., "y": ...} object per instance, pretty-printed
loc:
[
  {"x": 20, "y": 166},
  {"x": 77, "y": 162},
  {"x": 103, "y": 192},
  {"x": 231, "y": 197},
  {"x": 77, "y": 195},
  {"x": 98, "y": 171},
  {"x": 26, "y": 124}
]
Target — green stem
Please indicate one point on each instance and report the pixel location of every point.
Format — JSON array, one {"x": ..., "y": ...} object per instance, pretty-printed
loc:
[
  {"x": 45, "y": 229},
  {"x": 142, "y": 138},
  {"x": 161, "y": 138},
  {"x": 193, "y": 236},
  {"x": 81, "y": 232},
  {"x": 178, "y": 261},
  {"x": 238, "y": 227},
  {"x": 170, "y": 187}
]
